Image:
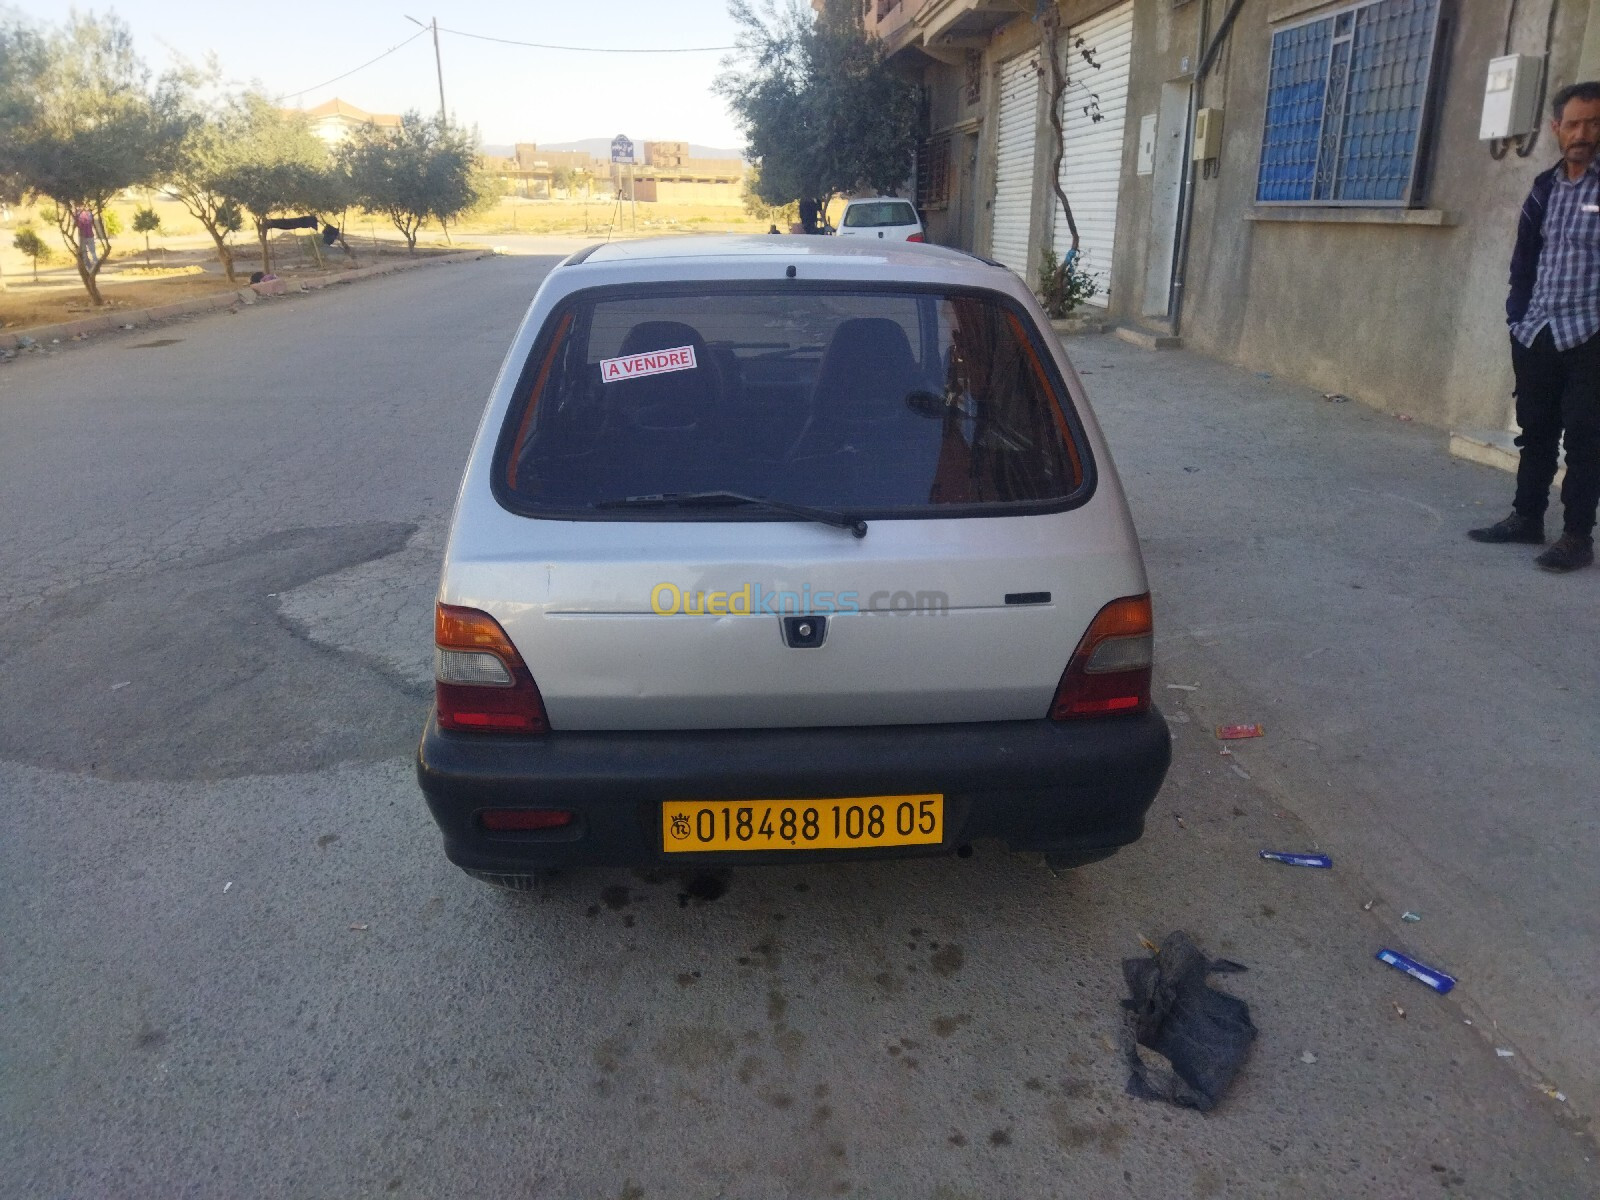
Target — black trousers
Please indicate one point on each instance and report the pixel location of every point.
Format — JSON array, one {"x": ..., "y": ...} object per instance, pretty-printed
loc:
[{"x": 1558, "y": 394}]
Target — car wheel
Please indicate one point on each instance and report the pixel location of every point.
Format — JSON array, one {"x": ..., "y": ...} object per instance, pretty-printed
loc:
[{"x": 509, "y": 882}]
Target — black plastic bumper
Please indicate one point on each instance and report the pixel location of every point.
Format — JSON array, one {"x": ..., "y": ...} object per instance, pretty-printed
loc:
[{"x": 1064, "y": 788}]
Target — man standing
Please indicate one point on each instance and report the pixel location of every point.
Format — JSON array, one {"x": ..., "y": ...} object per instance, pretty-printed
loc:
[
  {"x": 1553, "y": 311},
  {"x": 810, "y": 210}
]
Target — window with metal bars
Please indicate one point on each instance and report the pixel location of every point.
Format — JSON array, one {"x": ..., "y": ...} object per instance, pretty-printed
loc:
[
  {"x": 1347, "y": 95},
  {"x": 933, "y": 172}
]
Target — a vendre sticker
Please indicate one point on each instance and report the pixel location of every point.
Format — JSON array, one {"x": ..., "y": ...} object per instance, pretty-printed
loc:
[{"x": 654, "y": 362}]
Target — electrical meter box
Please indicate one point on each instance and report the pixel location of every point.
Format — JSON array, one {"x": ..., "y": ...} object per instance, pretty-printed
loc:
[
  {"x": 1207, "y": 134},
  {"x": 1511, "y": 97}
]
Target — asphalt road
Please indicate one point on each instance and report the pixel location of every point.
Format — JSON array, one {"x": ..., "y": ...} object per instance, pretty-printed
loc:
[{"x": 236, "y": 963}]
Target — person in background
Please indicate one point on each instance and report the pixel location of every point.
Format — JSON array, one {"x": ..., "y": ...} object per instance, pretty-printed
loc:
[
  {"x": 809, "y": 211},
  {"x": 88, "y": 243},
  {"x": 1553, "y": 312}
]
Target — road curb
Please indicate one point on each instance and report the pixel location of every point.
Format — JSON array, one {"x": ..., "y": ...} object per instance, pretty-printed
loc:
[{"x": 103, "y": 322}]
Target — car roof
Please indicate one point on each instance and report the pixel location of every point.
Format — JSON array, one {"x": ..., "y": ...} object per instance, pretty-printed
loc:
[{"x": 847, "y": 254}]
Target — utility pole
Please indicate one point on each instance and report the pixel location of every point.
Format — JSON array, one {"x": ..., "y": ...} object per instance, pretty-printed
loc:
[{"x": 438, "y": 63}]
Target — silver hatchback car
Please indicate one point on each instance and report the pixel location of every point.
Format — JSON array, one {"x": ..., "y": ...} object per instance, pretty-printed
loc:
[{"x": 776, "y": 548}]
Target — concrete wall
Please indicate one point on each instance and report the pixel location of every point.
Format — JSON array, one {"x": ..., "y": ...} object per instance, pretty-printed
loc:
[
  {"x": 650, "y": 186},
  {"x": 696, "y": 191},
  {"x": 1402, "y": 311},
  {"x": 1406, "y": 317}
]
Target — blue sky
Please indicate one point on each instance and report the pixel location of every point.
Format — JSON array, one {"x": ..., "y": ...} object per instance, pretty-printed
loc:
[{"x": 511, "y": 93}]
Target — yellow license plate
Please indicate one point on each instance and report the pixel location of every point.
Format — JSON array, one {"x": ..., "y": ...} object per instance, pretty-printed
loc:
[{"x": 697, "y": 826}]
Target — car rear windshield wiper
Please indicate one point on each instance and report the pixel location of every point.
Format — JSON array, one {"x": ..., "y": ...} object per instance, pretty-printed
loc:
[{"x": 825, "y": 516}]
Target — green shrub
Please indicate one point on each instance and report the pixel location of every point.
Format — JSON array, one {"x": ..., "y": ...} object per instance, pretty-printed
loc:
[
  {"x": 30, "y": 243},
  {"x": 1063, "y": 286}
]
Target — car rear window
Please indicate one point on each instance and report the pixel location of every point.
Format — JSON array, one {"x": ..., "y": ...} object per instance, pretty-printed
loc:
[
  {"x": 878, "y": 401},
  {"x": 878, "y": 213}
]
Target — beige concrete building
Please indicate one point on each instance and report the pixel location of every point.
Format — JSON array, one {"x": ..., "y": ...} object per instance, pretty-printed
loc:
[
  {"x": 668, "y": 175},
  {"x": 531, "y": 158},
  {"x": 531, "y": 172},
  {"x": 1299, "y": 186},
  {"x": 334, "y": 120}
]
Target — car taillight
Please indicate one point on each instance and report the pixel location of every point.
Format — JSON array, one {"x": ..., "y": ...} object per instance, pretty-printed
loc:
[
  {"x": 481, "y": 684},
  {"x": 916, "y": 237},
  {"x": 524, "y": 820},
  {"x": 1110, "y": 671}
]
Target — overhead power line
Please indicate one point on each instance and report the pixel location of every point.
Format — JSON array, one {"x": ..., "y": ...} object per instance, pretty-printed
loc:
[
  {"x": 353, "y": 70},
  {"x": 483, "y": 37}
]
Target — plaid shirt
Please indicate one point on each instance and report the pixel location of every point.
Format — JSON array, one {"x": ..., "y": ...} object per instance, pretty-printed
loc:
[{"x": 1566, "y": 295}]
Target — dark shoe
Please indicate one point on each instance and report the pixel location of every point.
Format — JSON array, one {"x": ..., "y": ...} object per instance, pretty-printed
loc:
[
  {"x": 1571, "y": 551},
  {"x": 1515, "y": 528}
]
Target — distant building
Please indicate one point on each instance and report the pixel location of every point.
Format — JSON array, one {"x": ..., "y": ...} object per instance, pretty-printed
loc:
[
  {"x": 531, "y": 171},
  {"x": 531, "y": 158},
  {"x": 666, "y": 154},
  {"x": 669, "y": 176},
  {"x": 665, "y": 174},
  {"x": 336, "y": 119}
]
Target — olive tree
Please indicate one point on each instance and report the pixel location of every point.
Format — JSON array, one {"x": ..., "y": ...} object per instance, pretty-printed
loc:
[
  {"x": 277, "y": 166},
  {"x": 147, "y": 221},
  {"x": 822, "y": 113},
  {"x": 86, "y": 120},
  {"x": 210, "y": 152},
  {"x": 19, "y": 64},
  {"x": 426, "y": 169},
  {"x": 28, "y": 241}
]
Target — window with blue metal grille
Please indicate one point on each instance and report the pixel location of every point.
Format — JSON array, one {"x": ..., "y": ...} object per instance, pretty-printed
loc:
[{"x": 1346, "y": 95}]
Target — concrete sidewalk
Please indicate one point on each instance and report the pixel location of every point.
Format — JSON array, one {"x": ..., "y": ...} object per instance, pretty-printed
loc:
[{"x": 1431, "y": 704}]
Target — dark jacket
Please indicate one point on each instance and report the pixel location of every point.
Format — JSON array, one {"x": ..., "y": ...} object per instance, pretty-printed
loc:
[{"x": 1530, "y": 244}]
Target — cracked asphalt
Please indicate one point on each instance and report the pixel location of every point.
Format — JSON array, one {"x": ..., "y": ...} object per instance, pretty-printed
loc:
[{"x": 236, "y": 962}]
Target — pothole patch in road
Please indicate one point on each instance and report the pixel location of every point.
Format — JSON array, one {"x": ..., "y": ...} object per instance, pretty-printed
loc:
[
  {"x": 188, "y": 672},
  {"x": 381, "y": 609},
  {"x": 155, "y": 345}
]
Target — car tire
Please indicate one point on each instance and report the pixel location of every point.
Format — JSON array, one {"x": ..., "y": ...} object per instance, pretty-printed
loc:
[{"x": 510, "y": 882}]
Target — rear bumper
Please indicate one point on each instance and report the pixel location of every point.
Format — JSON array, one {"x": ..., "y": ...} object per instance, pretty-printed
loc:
[{"x": 1062, "y": 788}]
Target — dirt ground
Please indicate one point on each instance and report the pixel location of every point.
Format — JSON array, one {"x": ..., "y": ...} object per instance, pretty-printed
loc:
[
  {"x": 182, "y": 260},
  {"x": 25, "y": 305},
  {"x": 177, "y": 270},
  {"x": 515, "y": 215}
]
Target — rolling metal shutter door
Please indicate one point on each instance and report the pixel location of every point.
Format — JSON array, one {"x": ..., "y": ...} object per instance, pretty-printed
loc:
[
  {"x": 1091, "y": 168},
  {"x": 1014, "y": 149}
]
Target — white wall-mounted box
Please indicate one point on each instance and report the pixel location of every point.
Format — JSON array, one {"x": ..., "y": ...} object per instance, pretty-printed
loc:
[
  {"x": 1511, "y": 96},
  {"x": 1147, "y": 145}
]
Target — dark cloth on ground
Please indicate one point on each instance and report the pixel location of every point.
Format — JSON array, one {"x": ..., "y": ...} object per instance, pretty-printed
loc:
[{"x": 1205, "y": 1034}]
